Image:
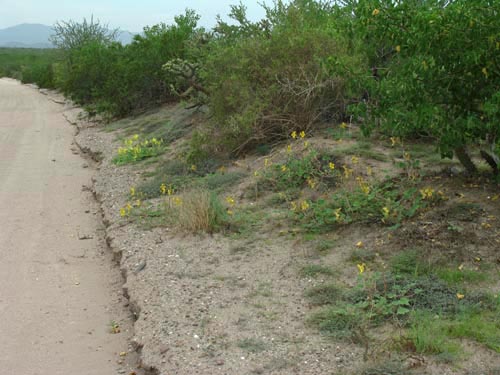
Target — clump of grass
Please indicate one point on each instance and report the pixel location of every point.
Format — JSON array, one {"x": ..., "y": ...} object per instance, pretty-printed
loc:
[
  {"x": 323, "y": 246},
  {"x": 409, "y": 262},
  {"x": 252, "y": 345},
  {"x": 180, "y": 175},
  {"x": 338, "y": 322},
  {"x": 361, "y": 255},
  {"x": 457, "y": 276},
  {"x": 199, "y": 211},
  {"x": 389, "y": 368},
  {"x": 325, "y": 294},
  {"x": 314, "y": 270},
  {"x": 428, "y": 334}
]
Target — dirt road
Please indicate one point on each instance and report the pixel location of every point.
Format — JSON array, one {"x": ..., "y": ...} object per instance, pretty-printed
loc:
[{"x": 58, "y": 290}]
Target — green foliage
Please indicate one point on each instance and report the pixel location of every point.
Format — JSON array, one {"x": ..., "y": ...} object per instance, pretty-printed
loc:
[
  {"x": 341, "y": 322},
  {"x": 29, "y": 65},
  {"x": 328, "y": 294},
  {"x": 314, "y": 270},
  {"x": 114, "y": 79},
  {"x": 252, "y": 345},
  {"x": 437, "y": 67},
  {"x": 389, "y": 203},
  {"x": 287, "y": 72},
  {"x": 313, "y": 169}
]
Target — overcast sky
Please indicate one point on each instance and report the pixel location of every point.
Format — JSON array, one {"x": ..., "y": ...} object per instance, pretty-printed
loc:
[{"x": 130, "y": 15}]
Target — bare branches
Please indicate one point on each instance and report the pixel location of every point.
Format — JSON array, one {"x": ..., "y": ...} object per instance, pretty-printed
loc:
[{"x": 71, "y": 35}]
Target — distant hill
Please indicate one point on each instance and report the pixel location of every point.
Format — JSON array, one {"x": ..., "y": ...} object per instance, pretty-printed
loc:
[
  {"x": 26, "y": 36},
  {"x": 37, "y": 36}
]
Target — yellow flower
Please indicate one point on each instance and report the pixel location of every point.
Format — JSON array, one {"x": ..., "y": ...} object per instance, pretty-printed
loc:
[
  {"x": 306, "y": 144},
  {"x": 293, "y": 206},
  {"x": 311, "y": 183},
  {"x": 394, "y": 141},
  {"x": 343, "y": 125},
  {"x": 304, "y": 206},
  {"x": 337, "y": 213},
  {"x": 347, "y": 172},
  {"x": 361, "y": 267},
  {"x": 267, "y": 162},
  {"x": 194, "y": 168},
  {"x": 129, "y": 207},
  {"x": 355, "y": 160},
  {"x": 331, "y": 166},
  {"x": 163, "y": 189},
  {"x": 230, "y": 201},
  {"x": 170, "y": 191},
  {"x": 230, "y": 213},
  {"x": 460, "y": 296},
  {"x": 398, "y": 49},
  {"x": 427, "y": 193},
  {"x": 284, "y": 168},
  {"x": 385, "y": 212},
  {"x": 360, "y": 244},
  {"x": 256, "y": 174},
  {"x": 123, "y": 212},
  {"x": 369, "y": 171},
  {"x": 132, "y": 191},
  {"x": 135, "y": 137},
  {"x": 363, "y": 185},
  {"x": 289, "y": 148},
  {"x": 302, "y": 134},
  {"x": 375, "y": 12},
  {"x": 294, "y": 134},
  {"x": 138, "y": 203},
  {"x": 178, "y": 201}
]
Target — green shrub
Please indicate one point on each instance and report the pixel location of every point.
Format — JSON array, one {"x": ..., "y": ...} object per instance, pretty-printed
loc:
[
  {"x": 287, "y": 72},
  {"x": 420, "y": 89}
]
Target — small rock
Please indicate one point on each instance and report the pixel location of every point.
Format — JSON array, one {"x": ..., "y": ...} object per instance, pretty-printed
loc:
[
  {"x": 164, "y": 349},
  {"x": 220, "y": 362}
]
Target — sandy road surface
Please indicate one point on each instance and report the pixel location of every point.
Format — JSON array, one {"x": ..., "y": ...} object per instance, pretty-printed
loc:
[{"x": 57, "y": 291}]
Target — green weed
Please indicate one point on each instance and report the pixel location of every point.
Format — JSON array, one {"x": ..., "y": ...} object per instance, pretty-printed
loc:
[
  {"x": 252, "y": 345},
  {"x": 314, "y": 270}
]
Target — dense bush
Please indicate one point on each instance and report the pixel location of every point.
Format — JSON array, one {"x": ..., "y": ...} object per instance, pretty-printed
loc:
[
  {"x": 412, "y": 68},
  {"x": 288, "y": 72},
  {"x": 29, "y": 65}
]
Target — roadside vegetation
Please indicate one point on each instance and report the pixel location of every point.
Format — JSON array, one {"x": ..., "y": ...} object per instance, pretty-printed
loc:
[{"x": 320, "y": 122}]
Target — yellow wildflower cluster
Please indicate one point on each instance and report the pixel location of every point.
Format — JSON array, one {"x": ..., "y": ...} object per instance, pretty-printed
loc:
[
  {"x": 427, "y": 193},
  {"x": 361, "y": 267},
  {"x": 127, "y": 210},
  {"x": 134, "y": 150},
  {"x": 166, "y": 190},
  {"x": 364, "y": 186},
  {"x": 303, "y": 206},
  {"x": 347, "y": 172}
]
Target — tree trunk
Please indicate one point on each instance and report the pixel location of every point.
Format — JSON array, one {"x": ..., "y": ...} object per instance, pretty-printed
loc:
[
  {"x": 462, "y": 155},
  {"x": 491, "y": 161}
]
